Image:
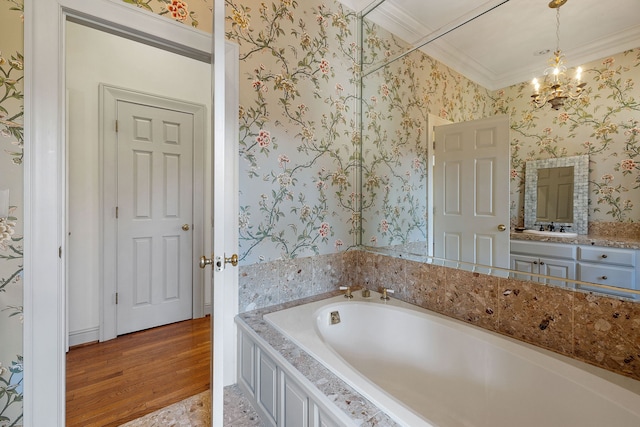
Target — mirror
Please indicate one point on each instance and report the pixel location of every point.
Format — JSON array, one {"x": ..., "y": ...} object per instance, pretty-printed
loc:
[
  {"x": 414, "y": 65},
  {"x": 563, "y": 184}
]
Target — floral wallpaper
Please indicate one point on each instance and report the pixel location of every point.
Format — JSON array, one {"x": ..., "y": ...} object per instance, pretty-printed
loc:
[
  {"x": 298, "y": 143},
  {"x": 397, "y": 99},
  {"x": 11, "y": 142},
  {"x": 603, "y": 123}
]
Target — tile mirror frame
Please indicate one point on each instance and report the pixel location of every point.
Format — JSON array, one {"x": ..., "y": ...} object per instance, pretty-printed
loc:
[{"x": 580, "y": 165}]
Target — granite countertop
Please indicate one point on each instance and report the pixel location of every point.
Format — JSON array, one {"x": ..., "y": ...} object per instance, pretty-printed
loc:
[
  {"x": 587, "y": 239},
  {"x": 352, "y": 403}
]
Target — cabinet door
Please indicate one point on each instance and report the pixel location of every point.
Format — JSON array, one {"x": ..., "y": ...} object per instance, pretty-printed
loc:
[
  {"x": 526, "y": 264},
  {"x": 246, "y": 367},
  {"x": 294, "y": 405},
  {"x": 556, "y": 268},
  {"x": 267, "y": 390}
]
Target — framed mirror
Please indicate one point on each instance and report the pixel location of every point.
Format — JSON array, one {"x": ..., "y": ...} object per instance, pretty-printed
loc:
[{"x": 557, "y": 190}]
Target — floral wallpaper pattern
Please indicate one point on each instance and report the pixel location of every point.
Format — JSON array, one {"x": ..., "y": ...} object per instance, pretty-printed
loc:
[
  {"x": 298, "y": 144},
  {"x": 397, "y": 99},
  {"x": 604, "y": 124},
  {"x": 11, "y": 252}
]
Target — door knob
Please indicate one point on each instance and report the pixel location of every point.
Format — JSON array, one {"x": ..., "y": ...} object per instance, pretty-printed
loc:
[
  {"x": 502, "y": 227},
  {"x": 221, "y": 261},
  {"x": 204, "y": 261},
  {"x": 185, "y": 227}
]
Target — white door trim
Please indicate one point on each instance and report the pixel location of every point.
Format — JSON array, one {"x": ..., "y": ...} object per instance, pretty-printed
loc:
[
  {"x": 44, "y": 228},
  {"x": 109, "y": 97}
]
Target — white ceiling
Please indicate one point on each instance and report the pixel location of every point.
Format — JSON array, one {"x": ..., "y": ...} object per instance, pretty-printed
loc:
[{"x": 499, "y": 48}]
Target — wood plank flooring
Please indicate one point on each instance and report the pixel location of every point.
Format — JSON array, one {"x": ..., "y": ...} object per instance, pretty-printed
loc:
[{"x": 113, "y": 382}]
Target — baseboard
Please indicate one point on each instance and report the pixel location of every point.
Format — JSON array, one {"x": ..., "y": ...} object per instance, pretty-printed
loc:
[
  {"x": 84, "y": 336},
  {"x": 208, "y": 310}
]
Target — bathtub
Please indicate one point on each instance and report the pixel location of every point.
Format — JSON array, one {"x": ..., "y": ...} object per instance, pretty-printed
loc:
[{"x": 423, "y": 369}]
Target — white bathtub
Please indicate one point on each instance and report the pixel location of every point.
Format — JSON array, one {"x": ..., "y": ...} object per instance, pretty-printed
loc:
[{"x": 424, "y": 369}]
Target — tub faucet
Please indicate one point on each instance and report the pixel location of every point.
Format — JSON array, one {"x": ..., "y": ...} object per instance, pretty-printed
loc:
[
  {"x": 386, "y": 291},
  {"x": 347, "y": 294}
]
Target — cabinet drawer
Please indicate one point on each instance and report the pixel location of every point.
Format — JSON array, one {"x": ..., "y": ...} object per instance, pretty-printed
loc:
[
  {"x": 549, "y": 250},
  {"x": 607, "y": 255},
  {"x": 623, "y": 277}
]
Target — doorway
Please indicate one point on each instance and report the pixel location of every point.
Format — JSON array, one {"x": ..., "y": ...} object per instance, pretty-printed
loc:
[
  {"x": 45, "y": 193},
  {"x": 94, "y": 57}
]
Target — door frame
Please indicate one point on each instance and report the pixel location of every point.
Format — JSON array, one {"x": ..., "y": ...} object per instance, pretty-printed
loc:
[
  {"x": 44, "y": 179},
  {"x": 109, "y": 97}
]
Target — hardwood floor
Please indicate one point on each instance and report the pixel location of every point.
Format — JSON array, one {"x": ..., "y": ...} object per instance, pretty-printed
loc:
[{"x": 116, "y": 381}]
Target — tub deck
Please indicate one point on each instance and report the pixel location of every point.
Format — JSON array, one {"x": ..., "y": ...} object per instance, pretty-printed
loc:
[{"x": 365, "y": 406}]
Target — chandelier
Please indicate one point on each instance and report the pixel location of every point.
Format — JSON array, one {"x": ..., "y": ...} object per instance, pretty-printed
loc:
[{"x": 556, "y": 87}]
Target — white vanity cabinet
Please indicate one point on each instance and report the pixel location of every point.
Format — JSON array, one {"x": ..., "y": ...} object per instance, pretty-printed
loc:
[
  {"x": 587, "y": 263},
  {"x": 607, "y": 266},
  {"x": 556, "y": 260}
]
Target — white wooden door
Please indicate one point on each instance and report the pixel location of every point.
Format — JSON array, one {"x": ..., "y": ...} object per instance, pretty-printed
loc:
[
  {"x": 471, "y": 192},
  {"x": 154, "y": 216}
]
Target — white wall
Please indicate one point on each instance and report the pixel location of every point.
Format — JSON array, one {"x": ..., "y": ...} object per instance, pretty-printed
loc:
[{"x": 94, "y": 57}]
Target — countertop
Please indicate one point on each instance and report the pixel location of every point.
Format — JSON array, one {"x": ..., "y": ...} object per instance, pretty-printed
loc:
[{"x": 587, "y": 239}]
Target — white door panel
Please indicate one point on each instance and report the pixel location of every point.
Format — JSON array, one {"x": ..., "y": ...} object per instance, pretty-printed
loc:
[
  {"x": 155, "y": 201},
  {"x": 471, "y": 192}
]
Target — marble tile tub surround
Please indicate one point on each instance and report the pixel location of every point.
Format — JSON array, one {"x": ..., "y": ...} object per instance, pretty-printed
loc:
[
  {"x": 600, "y": 330},
  {"x": 276, "y": 282}
]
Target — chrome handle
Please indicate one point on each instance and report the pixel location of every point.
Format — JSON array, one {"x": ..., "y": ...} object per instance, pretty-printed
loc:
[
  {"x": 185, "y": 227},
  {"x": 204, "y": 261},
  {"x": 502, "y": 227}
]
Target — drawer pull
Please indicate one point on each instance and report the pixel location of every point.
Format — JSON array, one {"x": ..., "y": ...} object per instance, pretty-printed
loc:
[
  {"x": 541, "y": 262},
  {"x": 535, "y": 262},
  {"x": 604, "y": 255},
  {"x": 603, "y": 277}
]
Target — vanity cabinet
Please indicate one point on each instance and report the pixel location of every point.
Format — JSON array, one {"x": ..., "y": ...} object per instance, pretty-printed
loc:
[
  {"x": 556, "y": 260},
  {"x": 594, "y": 264},
  {"x": 607, "y": 266}
]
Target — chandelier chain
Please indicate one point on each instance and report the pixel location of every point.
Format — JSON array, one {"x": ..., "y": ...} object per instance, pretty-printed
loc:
[{"x": 558, "y": 30}]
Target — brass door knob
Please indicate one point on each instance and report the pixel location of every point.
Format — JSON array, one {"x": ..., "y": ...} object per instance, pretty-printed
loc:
[
  {"x": 185, "y": 227},
  {"x": 233, "y": 260},
  {"x": 502, "y": 227},
  {"x": 204, "y": 261}
]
